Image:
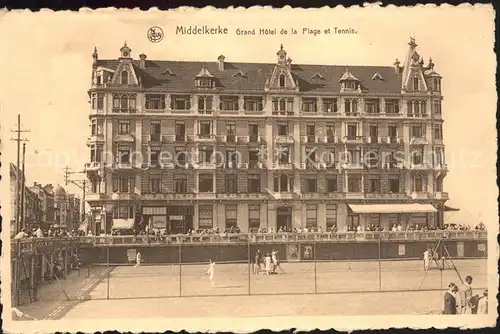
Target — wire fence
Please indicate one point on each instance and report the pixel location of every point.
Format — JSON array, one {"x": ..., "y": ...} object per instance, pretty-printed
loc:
[{"x": 296, "y": 270}]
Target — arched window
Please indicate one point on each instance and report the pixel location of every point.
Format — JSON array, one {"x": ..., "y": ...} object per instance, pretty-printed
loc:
[
  {"x": 116, "y": 101},
  {"x": 282, "y": 80},
  {"x": 131, "y": 101},
  {"x": 284, "y": 183},
  {"x": 415, "y": 84},
  {"x": 410, "y": 107},
  {"x": 347, "y": 104},
  {"x": 124, "y": 102},
  {"x": 124, "y": 78}
]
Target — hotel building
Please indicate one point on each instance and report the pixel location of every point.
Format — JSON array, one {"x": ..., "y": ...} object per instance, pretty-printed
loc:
[{"x": 182, "y": 145}]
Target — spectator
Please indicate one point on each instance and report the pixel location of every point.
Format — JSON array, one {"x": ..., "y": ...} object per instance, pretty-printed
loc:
[
  {"x": 21, "y": 235},
  {"x": 450, "y": 302},
  {"x": 466, "y": 298},
  {"x": 482, "y": 305},
  {"x": 39, "y": 233}
]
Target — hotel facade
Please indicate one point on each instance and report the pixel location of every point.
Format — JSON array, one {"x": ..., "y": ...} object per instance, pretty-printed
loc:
[{"x": 196, "y": 145}]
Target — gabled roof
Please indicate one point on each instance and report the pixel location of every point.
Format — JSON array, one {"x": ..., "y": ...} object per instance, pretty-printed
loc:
[
  {"x": 156, "y": 76},
  {"x": 348, "y": 76},
  {"x": 204, "y": 73}
]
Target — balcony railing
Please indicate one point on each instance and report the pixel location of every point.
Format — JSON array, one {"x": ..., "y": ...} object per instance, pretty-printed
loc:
[{"x": 124, "y": 110}]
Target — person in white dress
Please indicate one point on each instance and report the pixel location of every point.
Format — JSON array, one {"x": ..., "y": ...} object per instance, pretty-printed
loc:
[
  {"x": 426, "y": 259},
  {"x": 211, "y": 273},
  {"x": 268, "y": 263},
  {"x": 137, "y": 260}
]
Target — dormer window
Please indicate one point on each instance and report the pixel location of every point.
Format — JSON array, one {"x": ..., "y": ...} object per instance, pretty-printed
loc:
[
  {"x": 416, "y": 84},
  {"x": 282, "y": 80},
  {"x": 436, "y": 83},
  {"x": 317, "y": 75},
  {"x": 124, "y": 78},
  {"x": 99, "y": 78},
  {"x": 377, "y": 76},
  {"x": 204, "y": 82},
  {"x": 350, "y": 85}
]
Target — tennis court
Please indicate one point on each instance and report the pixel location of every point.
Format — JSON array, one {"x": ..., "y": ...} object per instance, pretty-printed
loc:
[{"x": 166, "y": 280}]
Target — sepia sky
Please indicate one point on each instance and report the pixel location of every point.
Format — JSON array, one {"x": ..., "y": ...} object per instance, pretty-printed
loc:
[{"x": 46, "y": 58}]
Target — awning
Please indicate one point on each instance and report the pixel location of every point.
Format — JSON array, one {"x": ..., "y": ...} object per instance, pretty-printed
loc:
[
  {"x": 449, "y": 209},
  {"x": 392, "y": 208},
  {"x": 122, "y": 224}
]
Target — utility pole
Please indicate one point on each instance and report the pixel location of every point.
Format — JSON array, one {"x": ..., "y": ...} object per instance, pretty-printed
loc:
[
  {"x": 82, "y": 184},
  {"x": 23, "y": 182},
  {"x": 18, "y": 139}
]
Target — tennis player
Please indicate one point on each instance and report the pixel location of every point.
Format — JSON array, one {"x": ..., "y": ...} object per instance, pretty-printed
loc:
[
  {"x": 211, "y": 273},
  {"x": 276, "y": 263},
  {"x": 137, "y": 260},
  {"x": 426, "y": 259}
]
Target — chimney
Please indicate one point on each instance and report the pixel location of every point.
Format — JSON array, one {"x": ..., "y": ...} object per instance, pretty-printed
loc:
[
  {"x": 397, "y": 69},
  {"x": 142, "y": 61},
  {"x": 221, "y": 62}
]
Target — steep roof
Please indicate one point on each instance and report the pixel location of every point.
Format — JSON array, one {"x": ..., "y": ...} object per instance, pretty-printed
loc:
[{"x": 178, "y": 76}]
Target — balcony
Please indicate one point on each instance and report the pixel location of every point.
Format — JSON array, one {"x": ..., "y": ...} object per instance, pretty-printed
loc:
[
  {"x": 393, "y": 165},
  {"x": 282, "y": 165},
  {"x": 255, "y": 165},
  {"x": 93, "y": 166},
  {"x": 420, "y": 166},
  {"x": 155, "y": 138},
  {"x": 309, "y": 139},
  {"x": 385, "y": 196},
  {"x": 354, "y": 195},
  {"x": 373, "y": 140},
  {"x": 167, "y": 197},
  {"x": 205, "y": 165},
  {"x": 242, "y": 140},
  {"x": 207, "y": 112},
  {"x": 283, "y": 113},
  {"x": 93, "y": 197},
  {"x": 353, "y": 166},
  {"x": 242, "y": 165},
  {"x": 420, "y": 115},
  {"x": 255, "y": 138},
  {"x": 95, "y": 139},
  {"x": 124, "y": 138},
  {"x": 315, "y": 165},
  {"x": 441, "y": 195},
  {"x": 353, "y": 139},
  {"x": 419, "y": 195},
  {"x": 284, "y": 139},
  {"x": 352, "y": 114},
  {"x": 284, "y": 195},
  {"x": 205, "y": 138},
  {"x": 124, "y": 196},
  {"x": 391, "y": 140},
  {"x": 124, "y": 110},
  {"x": 441, "y": 167},
  {"x": 206, "y": 195},
  {"x": 180, "y": 111}
]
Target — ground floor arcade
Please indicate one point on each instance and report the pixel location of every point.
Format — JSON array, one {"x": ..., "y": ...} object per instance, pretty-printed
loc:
[{"x": 250, "y": 216}]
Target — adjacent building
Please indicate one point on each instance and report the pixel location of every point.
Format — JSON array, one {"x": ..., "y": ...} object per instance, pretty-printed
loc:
[
  {"x": 42, "y": 205},
  {"x": 181, "y": 145}
]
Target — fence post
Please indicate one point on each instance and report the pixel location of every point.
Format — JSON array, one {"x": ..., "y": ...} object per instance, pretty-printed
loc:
[
  {"x": 180, "y": 269},
  {"x": 379, "y": 262},
  {"x": 107, "y": 267},
  {"x": 315, "y": 273},
  {"x": 249, "y": 265}
]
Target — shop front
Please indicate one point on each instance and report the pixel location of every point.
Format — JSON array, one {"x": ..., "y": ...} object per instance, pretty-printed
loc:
[{"x": 180, "y": 219}]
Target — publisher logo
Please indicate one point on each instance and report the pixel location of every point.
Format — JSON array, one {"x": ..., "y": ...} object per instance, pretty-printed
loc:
[{"x": 155, "y": 34}]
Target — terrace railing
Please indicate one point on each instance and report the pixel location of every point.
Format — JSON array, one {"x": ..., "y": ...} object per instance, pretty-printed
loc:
[{"x": 33, "y": 244}]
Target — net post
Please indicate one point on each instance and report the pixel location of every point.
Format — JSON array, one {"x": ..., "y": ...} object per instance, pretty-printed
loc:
[
  {"x": 180, "y": 268},
  {"x": 379, "y": 263}
]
